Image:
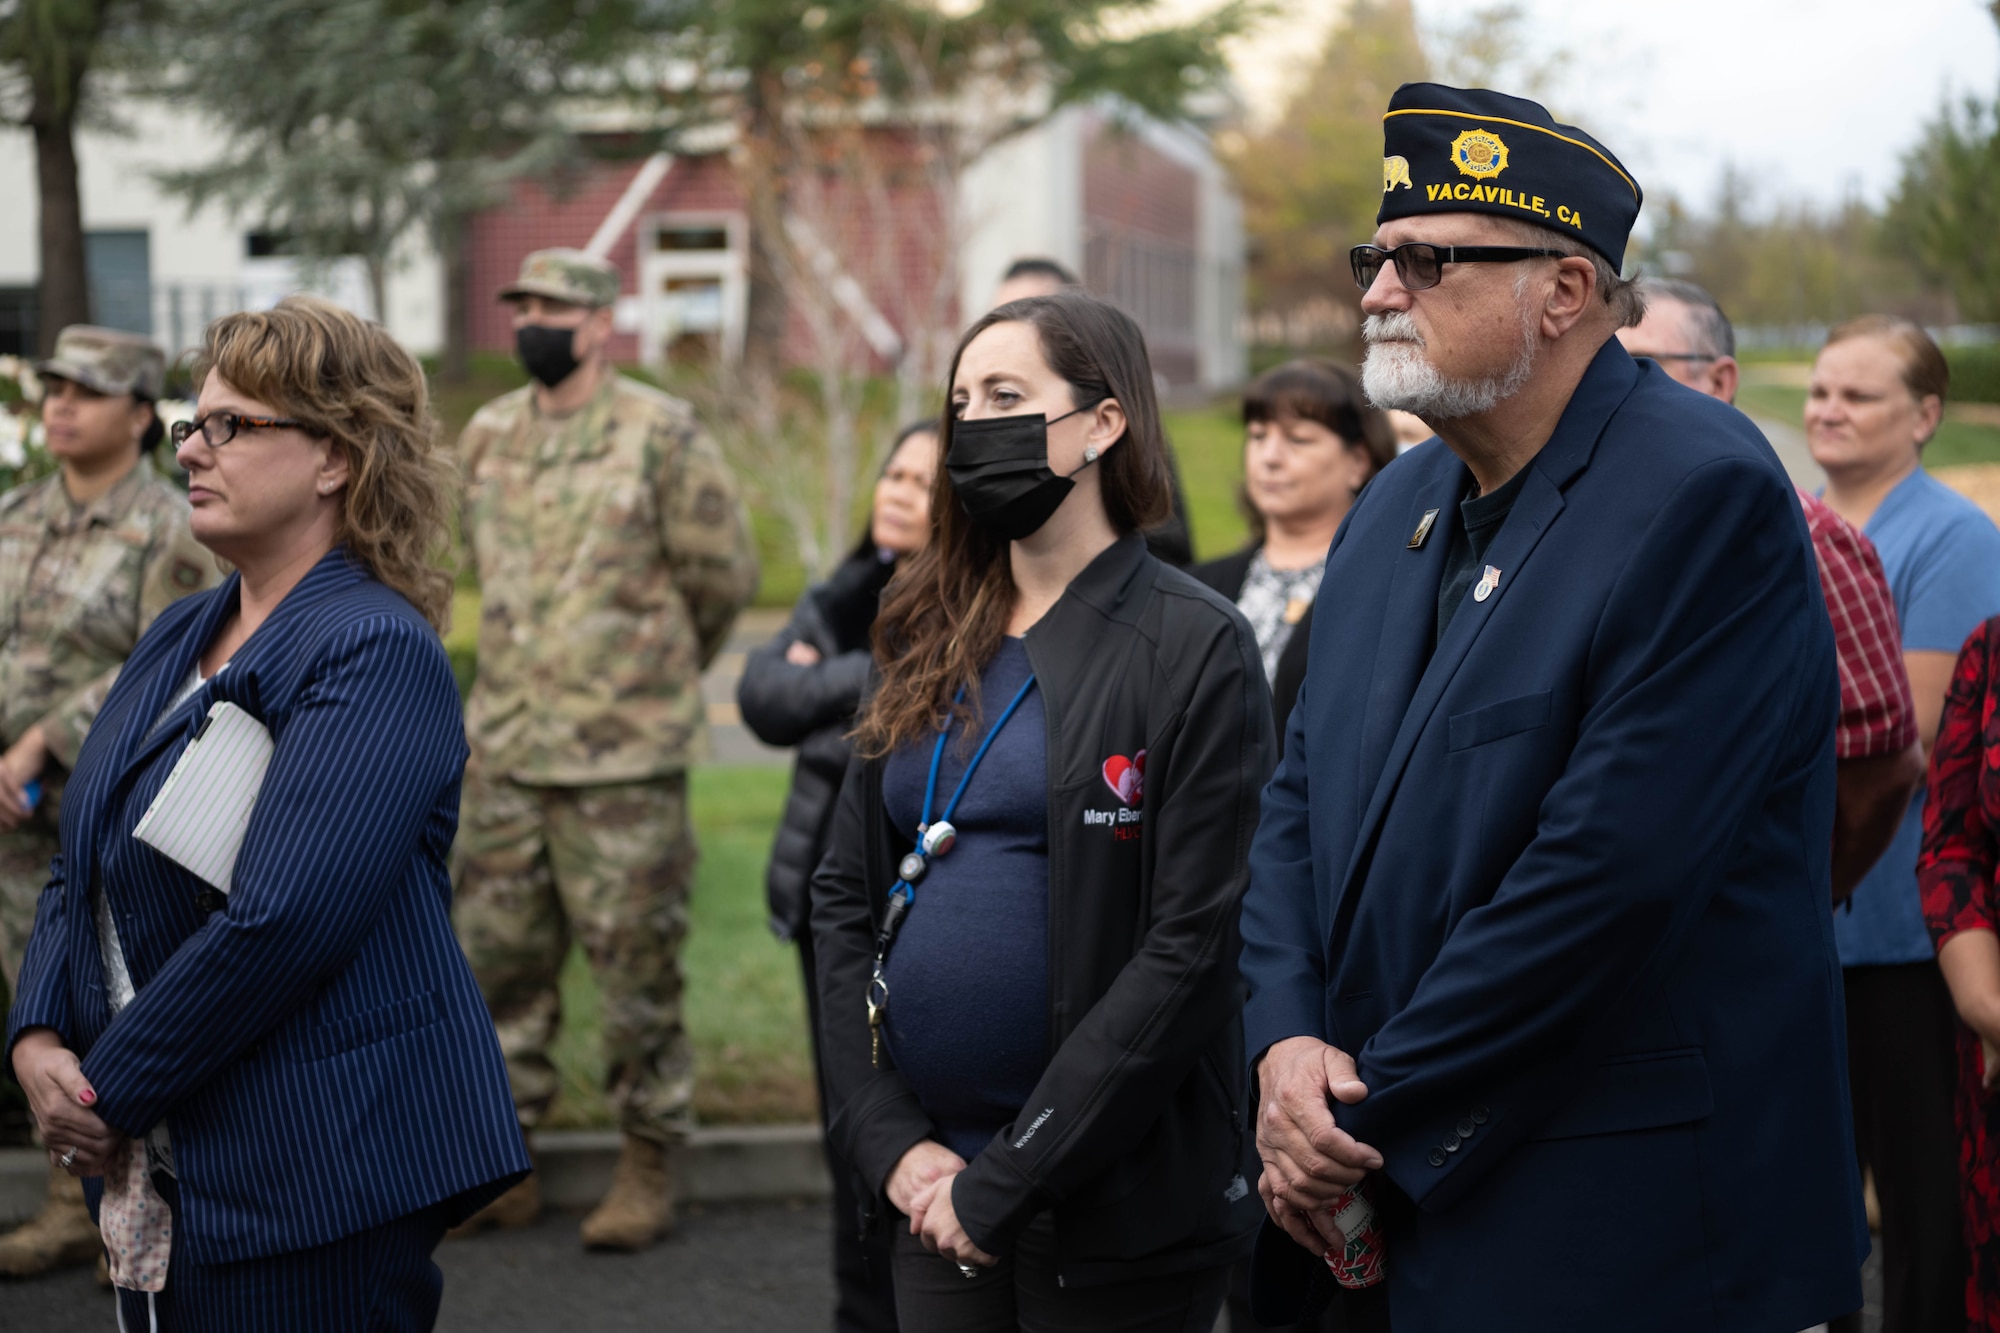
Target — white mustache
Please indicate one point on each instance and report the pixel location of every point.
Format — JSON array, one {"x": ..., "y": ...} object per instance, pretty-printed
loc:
[{"x": 1394, "y": 326}]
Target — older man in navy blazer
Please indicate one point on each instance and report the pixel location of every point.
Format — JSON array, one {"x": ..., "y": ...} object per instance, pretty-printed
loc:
[{"x": 1537, "y": 939}]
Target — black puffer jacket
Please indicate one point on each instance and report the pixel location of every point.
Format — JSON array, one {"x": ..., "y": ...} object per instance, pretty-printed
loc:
[
  {"x": 1136, "y": 1137},
  {"x": 812, "y": 707}
]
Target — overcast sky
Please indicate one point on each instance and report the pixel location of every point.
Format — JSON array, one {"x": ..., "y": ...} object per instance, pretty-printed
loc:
[{"x": 1812, "y": 98}]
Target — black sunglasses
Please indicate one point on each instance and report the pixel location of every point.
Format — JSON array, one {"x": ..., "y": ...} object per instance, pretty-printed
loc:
[
  {"x": 219, "y": 428},
  {"x": 1419, "y": 265}
]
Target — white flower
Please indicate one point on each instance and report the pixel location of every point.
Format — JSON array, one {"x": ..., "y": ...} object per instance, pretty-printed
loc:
[
  {"x": 10, "y": 367},
  {"x": 13, "y": 444},
  {"x": 31, "y": 384}
]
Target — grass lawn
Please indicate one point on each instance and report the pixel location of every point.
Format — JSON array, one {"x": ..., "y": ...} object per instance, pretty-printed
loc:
[
  {"x": 745, "y": 1009},
  {"x": 1956, "y": 442},
  {"x": 1208, "y": 443}
]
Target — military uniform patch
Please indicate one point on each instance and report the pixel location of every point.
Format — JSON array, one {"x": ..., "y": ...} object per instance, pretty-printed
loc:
[
  {"x": 711, "y": 507},
  {"x": 1479, "y": 153}
]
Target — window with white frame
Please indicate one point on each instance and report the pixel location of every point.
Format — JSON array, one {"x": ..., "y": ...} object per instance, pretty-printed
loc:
[{"x": 694, "y": 287}]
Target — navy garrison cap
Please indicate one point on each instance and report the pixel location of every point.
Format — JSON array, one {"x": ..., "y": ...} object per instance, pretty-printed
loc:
[{"x": 1469, "y": 150}]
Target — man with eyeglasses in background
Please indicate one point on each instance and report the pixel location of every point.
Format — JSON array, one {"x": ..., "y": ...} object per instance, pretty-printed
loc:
[
  {"x": 1544, "y": 1009},
  {"x": 1880, "y": 758}
]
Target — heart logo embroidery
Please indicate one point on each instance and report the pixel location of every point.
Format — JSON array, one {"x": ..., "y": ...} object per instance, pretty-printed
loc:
[{"x": 1126, "y": 777}]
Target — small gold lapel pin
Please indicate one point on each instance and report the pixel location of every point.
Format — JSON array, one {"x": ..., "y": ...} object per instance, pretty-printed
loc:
[
  {"x": 1487, "y": 583},
  {"x": 1423, "y": 529}
]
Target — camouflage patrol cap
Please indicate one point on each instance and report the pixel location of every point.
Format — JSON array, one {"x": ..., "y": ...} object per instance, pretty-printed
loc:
[
  {"x": 565, "y": 275},
  {"x": 108, "y": 360}
]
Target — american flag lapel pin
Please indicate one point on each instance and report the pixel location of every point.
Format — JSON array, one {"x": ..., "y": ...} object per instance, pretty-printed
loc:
[
  {"x": 1423, "y": 529},
  {"x": 1487, "y": 583}
]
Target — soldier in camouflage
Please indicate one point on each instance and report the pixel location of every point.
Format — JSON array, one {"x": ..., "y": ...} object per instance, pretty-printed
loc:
[
  {"x": 88, "y": 557},
  {"x": 613, "y": 554}
]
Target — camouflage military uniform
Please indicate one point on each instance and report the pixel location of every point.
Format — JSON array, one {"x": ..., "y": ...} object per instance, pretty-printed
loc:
[
  {"x": 613, "y": 554},
  {"x": 78, "y": 585}
]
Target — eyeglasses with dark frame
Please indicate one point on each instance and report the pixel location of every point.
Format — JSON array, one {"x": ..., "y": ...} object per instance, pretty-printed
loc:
[
  {"x": 1420, "y": 265},
  {"x": 219, "y": 428}
]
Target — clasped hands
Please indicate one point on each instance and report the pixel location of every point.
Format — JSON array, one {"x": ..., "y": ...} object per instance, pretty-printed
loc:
[
  {"x": 1308, "y": 1159},
  {"x": 60, "y": 1098},
  {"x": 920, "y": 1187}
]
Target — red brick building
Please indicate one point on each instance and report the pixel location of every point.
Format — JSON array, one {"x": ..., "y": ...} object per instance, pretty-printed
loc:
[{"x": 1143, "y": 213}]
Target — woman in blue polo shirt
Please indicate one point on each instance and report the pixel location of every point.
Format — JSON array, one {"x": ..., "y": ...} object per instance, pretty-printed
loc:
[{"x": 1878, "y": 390}]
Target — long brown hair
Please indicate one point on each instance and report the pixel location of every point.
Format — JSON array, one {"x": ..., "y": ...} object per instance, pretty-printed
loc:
[
  {"x": 944, "y": 614},
  {"x": 350, "y": 382}
]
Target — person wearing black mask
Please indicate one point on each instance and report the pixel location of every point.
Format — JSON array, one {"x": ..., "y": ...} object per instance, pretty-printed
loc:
[
  {"x": 1025, "y": 926},
  {"x": 612, "y": 555},
  {"x": 802, "y": 689},
  {"x": 1171, "y": 539}
]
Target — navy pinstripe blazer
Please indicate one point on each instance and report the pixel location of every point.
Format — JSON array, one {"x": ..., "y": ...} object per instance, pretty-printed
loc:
[{"x": 318, "y": 1048}]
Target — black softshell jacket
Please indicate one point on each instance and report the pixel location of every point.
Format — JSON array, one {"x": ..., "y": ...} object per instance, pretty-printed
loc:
[
  {"x": 1138, "y": 1135},
  {"x": 812, "y": 707}
]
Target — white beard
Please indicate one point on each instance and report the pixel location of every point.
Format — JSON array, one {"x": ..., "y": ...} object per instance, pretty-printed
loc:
[{"x": 1397, "y": 374}]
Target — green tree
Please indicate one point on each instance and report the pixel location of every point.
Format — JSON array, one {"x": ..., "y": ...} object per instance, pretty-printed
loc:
[
  {"x": 1946, "y": 211},
  {"x": 1311, "y": 183},
  {"x": 1785, "y": 266},
  {"x": 51, "y": 53},
  {"x": 352, "y": 124}
]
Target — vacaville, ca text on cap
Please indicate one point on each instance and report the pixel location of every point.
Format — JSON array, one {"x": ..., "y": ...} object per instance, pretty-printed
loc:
[{"x": 1471, "y": 150}]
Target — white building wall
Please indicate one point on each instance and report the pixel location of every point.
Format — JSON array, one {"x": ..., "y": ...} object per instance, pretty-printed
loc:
[
  {"x": 1219, "y": 287},
  {"x": 1219, "y": 245},
  {"x": 199, "y": 264},
  {"x": 1023, "y": 199},
  {"x": 1026, "y": 198}
]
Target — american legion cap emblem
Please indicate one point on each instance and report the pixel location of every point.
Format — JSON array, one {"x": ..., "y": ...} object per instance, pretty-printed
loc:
[{"x": 1479, "y": 153}]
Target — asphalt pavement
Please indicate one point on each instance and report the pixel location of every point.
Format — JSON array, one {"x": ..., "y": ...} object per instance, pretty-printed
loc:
[
  {"x": 728, "y": 1269},
  {"x": 762, "y": 1268}
]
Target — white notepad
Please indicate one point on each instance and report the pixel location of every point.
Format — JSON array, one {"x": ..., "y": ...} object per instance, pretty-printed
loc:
[{"x": 201, "y": 814}]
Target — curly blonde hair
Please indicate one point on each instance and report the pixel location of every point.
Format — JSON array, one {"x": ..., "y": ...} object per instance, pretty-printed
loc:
[{"x": 350, "y": 382}]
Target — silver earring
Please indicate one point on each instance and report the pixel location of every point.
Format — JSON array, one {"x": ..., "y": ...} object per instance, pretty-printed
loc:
[{"x": 1090, "y": 453}]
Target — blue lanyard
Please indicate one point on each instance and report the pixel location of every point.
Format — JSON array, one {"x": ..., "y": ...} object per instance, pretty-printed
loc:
[
  {"x": 932, "y": 839},
  {"x": 937, "y": 759},
  {"x": 917, "y": 863}
]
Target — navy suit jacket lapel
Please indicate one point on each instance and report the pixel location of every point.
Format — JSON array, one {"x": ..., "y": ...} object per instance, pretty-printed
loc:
[
  {"x": 270, "y": 647},
  {"x": 1604, "y": 386},
  {"x": 140, "y": 734},
  {"x": 1409, "y": 619}
]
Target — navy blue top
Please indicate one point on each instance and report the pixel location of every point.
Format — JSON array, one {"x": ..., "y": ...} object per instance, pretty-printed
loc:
[{"x": 967, "y": 1022}]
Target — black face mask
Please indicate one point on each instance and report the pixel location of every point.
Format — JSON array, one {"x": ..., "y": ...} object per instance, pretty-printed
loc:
[
  {"x": 548, "y": 354},
  {"x": 999, "y": 468}
]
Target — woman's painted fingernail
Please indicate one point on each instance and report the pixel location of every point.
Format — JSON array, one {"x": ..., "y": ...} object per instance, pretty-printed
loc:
[{"x": 87, "y": 1097}]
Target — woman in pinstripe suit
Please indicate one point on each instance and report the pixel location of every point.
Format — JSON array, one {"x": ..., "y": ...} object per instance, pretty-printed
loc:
[{"x": 302, "y": 1072}]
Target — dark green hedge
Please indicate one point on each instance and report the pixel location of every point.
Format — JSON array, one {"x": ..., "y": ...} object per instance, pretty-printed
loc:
[{"x": 1975, "y": 373}]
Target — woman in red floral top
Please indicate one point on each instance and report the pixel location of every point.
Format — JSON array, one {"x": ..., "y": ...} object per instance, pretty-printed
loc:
[{"x": 1957, "y": 874}]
